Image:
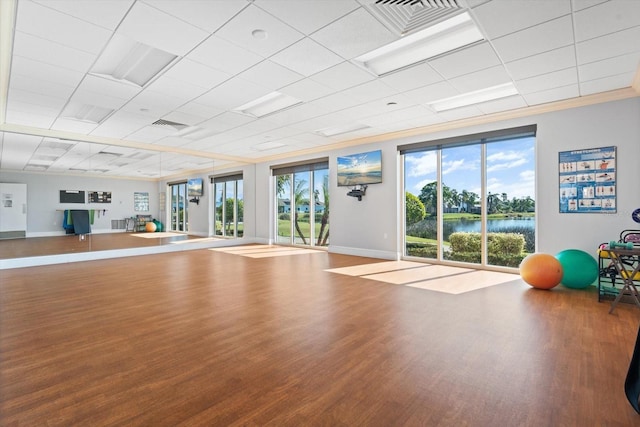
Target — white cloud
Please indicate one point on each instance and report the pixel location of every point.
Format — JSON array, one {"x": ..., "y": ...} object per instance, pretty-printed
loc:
[
  {"x": 423, "y": 165},
  {"x": 507, "y": 165}
]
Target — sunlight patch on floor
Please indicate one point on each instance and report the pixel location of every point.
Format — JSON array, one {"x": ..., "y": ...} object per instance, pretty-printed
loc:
[
  {"x": 265, "y": 251},
  {"x": 440, "y": 278}
]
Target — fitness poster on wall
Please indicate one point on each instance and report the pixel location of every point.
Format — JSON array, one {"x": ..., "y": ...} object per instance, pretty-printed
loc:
[{"x": 588, "y": 180}]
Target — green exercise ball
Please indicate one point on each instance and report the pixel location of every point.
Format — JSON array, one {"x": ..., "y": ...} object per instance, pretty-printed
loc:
[{"x": 579, "y": 268}]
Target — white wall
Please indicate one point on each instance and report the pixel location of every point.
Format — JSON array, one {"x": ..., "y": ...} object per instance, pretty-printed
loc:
[
  {"x": 45, "y": 212},
  {"x": 370, "y": 228}
]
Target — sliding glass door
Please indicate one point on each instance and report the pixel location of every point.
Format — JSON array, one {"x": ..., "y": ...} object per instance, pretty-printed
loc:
[
  {"x": 178, "y": 220},
  {"x": 229, "y": 206},
  {"x": 471, "y": 200},
  {"x": 302, "y": 204}
]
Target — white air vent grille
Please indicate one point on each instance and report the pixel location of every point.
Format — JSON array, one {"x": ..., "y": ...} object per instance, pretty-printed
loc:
[
  {"x": 175, "y": 125},
  {"x": 407, "y": 16}
]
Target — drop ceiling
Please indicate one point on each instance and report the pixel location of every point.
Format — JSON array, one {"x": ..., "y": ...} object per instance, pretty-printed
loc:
[{"x": 61, "y": 111}]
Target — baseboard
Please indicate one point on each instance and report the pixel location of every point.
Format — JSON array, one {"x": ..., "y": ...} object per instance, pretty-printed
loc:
[{"x": 369, "y": 253}]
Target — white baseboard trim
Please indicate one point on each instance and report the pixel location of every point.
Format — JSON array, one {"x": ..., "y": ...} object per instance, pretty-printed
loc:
[{"x": 369, "y": 253}]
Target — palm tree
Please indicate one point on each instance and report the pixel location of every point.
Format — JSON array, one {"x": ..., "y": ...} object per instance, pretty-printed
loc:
[
  {"x": 300, "y": 192},
  {"x": 323, "y": 234}
]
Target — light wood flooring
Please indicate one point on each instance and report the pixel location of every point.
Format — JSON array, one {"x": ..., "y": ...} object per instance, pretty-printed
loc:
[{"x": 208, "y": 338}]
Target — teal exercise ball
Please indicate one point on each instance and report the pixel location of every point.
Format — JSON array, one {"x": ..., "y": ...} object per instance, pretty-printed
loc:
[{"x": 579, "y": 268}]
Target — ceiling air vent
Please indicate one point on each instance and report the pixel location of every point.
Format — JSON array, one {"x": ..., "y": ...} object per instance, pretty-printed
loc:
[
  {"x": 168, "y": 123},
  {"x": 407, "y": 16}
]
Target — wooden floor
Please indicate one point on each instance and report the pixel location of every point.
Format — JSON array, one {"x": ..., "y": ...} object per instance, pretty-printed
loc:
[
  {"x": 210, "y": 338},
  {"x": 68, "y": 244}
]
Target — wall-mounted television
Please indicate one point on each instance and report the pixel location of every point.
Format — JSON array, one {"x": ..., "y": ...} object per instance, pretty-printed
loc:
[
  {"x": 194, "y": 187},
  {"x": 360, "y": 169}
]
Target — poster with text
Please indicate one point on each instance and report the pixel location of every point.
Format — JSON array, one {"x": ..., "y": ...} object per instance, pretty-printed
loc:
[{"x": 587, "y": 180}]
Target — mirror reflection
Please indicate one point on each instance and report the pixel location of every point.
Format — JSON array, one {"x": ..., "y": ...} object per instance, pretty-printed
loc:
[{"x": 122, "y": 196}]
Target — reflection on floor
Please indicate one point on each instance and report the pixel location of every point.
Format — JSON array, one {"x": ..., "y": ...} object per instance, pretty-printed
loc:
[
  {"x": 441, "y": 278},
  {"x": 265, "y": 251}
]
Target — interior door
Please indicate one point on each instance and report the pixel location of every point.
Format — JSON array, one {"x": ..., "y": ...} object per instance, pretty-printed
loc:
[{"x": 13, "y": 210}]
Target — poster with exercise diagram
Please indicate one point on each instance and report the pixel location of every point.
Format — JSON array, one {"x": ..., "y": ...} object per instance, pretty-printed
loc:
[{"x": 587, "y": 180}]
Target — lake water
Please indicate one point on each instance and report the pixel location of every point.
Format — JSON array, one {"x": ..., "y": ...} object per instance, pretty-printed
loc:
[{"x": 494, "y": 224}]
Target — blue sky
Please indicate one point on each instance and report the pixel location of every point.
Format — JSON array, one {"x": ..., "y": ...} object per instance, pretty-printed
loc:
[{"x": 510, "y": 168}]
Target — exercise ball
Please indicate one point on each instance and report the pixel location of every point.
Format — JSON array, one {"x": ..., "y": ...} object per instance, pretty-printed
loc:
[
  {"x": 542, "y": 271},
  {"x": 150, "y": 227},
  {"x": 579, "y": 268}
]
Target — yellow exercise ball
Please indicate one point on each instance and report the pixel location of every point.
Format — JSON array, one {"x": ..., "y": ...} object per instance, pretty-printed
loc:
[{"x": 151, "y": 227}]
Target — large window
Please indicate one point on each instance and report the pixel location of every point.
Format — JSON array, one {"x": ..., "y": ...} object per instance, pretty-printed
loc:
[
  {"x": 302, "y": 204},
  {"x": 471, "y": 199},
  {"x": 228, "y": 205}
]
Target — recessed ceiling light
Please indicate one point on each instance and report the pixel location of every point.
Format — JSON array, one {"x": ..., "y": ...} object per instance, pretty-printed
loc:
[
  {"x": 440, "y": 38},
  {"x": 275, "y": 101},
  {"x": 86, "y": 113},
  {"x": 127, "y": 60},
  {"x": 475, "y": 97}
]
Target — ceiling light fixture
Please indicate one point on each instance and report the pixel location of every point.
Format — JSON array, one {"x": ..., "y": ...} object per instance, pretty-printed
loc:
[
  {"x": 127, "y": 60},
  {"x": 475, "y": 97},
  {"x": 275, "y": 101},
  {"x": 338, "y": 130},
  {"x": 86, "y": 113},
  {"x": 440, "y": 38}
]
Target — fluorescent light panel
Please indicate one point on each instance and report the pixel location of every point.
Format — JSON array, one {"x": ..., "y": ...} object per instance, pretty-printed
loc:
[
  {"x": 475, "y": 97},
  {"x": 275, "y": 101},
  {"x": 127, "y": 60},
  {"x": 86, "y": 113},
  {"x": 440, "y": 38}
]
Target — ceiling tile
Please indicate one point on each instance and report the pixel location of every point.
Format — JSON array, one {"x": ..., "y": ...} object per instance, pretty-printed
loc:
[
  {"x": 99, "y": 86},
  {"x": 395, "y": 116},
  {"x": 541, "y": 38},
  {"x": 342, "y": 76},
  {"x": 176, "y": 88},
  {"x": 610, "y": 67},
  {"x": 46, "y": 51},
  {"x": 522, "y": 14},
  {"x": 17, "y": 149},
  {"x": 306, "y": 90},
  {"x": 154, "y": 104},
  {"x": 199, "y": 110},
  {"x": 45, "y": 72},
  {"x": 232, "y": 94},
  {"x": 105, "y": 13},
  {"x": 412, "y": 77},
  {"x": 566, "y": 77},
  {"x": 275, "y": 35},
  {"x": 25, "y": 83},
  {"x": 543, "y": 63},
  {"x": 207, "y": 15},
  {"x": 30, "y": 118},
  {"x": 608, "y": 46},
  {"x": 584, "y": 4},
  {"x": 222, "y": 55},
  {"x": 481, "y": 79},
  {"x": 36, "y": 99},
  {"x": 58, "y": 27},
  {"x": 297, "y": 114},
  {"x": 610, "y": 17},
  {"x": 270, "y": 75},
  {"x": 77, "y": 126},
  {"x": 308, "y": 16},
  {"x": 306, "y": 57},
  {"x": 197, "y": 74},
  {"x": 552, "y": 95},
  {"x": 226, "y": 121},
  {"x": 354, "y": 34},
  {"x": 121, "y": 124},
  {"x": 467, "y": 60},
  {"x": 149, "y": 25},
  {"x": 434, "y": 92},
  {"x": 606, "y": 83}
]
